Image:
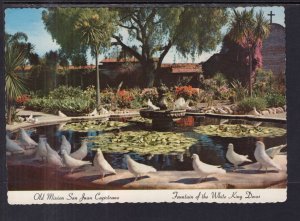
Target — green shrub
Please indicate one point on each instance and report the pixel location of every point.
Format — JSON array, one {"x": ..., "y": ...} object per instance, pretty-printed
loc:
[
  {"x": 249, "y": 103},
  {"x": 275, "y": 100},
  {"x": 220, "y": 79},
  {"x": 239, "y": 91},
  {"x": 71, "y": 101},
  {"x": 63, "y": 92}
]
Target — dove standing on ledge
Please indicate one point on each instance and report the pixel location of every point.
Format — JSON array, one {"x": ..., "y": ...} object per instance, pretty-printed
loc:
[
  {"x": 101, "y": 164},
  {"x": 93, "y": 113},
  {"x": 262, "y": 158},
  {"x": 152, "y": 106},
  {"x": 254, "y": 112},
  {"x": 181, "y": 104},
  {"x": 103, "y": 111},
  {"x": 81, "y": 152},
  {"x": 204, "y": 169},
  {"x": 41, "y": 151},
  {"x": 31, "y": 119},
  {"x": 65, "y": 145},
  {"x": 72, "y": 163},
  {"x": 234, "y": 158},
  {"x": 26, "y": 139},
  {"x": 273, "y": 151},
  {"x": 53, "y": 159},
  {"x": 13, "y": 147},
  {"x": 138, "y": 169},
  {"x": 61, "y": 114}
]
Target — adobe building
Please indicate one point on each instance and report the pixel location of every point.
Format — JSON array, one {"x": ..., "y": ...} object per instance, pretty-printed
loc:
[{"x": 273, "y": 50}]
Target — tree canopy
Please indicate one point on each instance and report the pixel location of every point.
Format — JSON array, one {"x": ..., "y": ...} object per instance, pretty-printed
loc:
[{"x": 152, "y": 31}]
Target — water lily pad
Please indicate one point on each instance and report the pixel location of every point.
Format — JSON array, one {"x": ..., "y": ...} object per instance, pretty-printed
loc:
[
  {"x": 144, "y": 142},
  {"x": 94, "y": 125},
  {"x": 240, "y": 130}
]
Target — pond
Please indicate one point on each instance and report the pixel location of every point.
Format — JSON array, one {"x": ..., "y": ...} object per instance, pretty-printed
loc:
[{"x": 165, "y": 154}]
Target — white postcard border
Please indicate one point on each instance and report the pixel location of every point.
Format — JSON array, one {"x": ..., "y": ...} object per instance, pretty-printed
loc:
[{"x": 148, "y": 196}]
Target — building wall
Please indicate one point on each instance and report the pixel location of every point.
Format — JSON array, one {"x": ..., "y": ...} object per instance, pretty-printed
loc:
[{"x": 273, "y": 50}]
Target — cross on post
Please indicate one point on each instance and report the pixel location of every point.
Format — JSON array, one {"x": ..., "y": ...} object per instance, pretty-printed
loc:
[{"x": 271, "y": 15}]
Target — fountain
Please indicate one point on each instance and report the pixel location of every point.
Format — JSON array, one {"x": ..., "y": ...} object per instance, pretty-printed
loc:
[{"x": 163, "y": 119}]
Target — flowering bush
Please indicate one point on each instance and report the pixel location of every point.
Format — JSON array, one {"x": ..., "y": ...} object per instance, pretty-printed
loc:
[
  {"x": 124, "y": 98},
  {"x": 21, "y": 100},
  {"x": 187, "y": 92},
  {"x": 150, "y": 93},
  {"x": 224, "y": 93}
]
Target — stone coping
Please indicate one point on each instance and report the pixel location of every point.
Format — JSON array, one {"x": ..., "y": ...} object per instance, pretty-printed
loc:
[
  {"x": 47, "y": 119},
  {"x": 20, "y": 178},
  {"x": 247, "y": 117}
]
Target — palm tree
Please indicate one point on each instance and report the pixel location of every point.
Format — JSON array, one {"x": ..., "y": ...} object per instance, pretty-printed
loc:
[
  {"x": 16, "y": 54},
  {"x": 248, "y": 30},
  {"x": 95, "y": 30}
]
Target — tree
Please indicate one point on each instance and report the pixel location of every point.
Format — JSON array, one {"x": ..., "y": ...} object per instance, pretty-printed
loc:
[
  {"x": 95, "y": 33},
  {"x": 152, "y": 31},
  {"x": 51, "y": 61},
  {"x": 248, "y": 30},
  {"x": 86, "y": 28},
  {"x": 156, "y": 30},
  {"x": 16, "y": 54}
]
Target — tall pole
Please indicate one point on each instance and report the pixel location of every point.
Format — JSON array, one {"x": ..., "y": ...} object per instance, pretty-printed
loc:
[{"x": 98, "y": 79}]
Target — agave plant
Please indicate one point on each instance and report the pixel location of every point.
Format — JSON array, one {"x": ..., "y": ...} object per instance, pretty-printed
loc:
[{"x": 16, "y": 53}]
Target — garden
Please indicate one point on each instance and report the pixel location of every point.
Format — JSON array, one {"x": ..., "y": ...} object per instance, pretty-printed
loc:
[{"x": 120, "y": 121}]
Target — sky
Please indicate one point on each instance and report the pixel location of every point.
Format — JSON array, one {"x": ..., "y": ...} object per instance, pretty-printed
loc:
[{"x": 29, "y": 21}]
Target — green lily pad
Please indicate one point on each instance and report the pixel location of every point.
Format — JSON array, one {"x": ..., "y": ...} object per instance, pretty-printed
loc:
[
  {"x": 144, "y": 142},
  {"x": 240, "y": 130},
  {"x": 94, "y": 125}
]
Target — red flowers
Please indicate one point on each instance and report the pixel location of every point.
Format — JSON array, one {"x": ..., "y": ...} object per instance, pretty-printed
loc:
[
  {"x": 124, "y": 98},
  {"x": 22, "y": 99},
  {"x": 187, "y": 92}
]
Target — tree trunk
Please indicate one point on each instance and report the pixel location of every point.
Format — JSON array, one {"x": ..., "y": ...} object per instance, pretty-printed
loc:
[
  {"x": 250, "y": 72},
  {"x": 9, "y": 111},
  {"x": 98, "y": 79},
  {"x": 149, "y": 70}
]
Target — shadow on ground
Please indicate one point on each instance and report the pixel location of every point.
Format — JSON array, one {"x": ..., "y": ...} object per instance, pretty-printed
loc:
[
  {"x": 127, "y": 180},
  {"x": 195, "y": 180}
]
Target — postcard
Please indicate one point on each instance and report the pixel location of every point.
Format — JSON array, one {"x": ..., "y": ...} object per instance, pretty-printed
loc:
[{"x": 142, "y": 104}]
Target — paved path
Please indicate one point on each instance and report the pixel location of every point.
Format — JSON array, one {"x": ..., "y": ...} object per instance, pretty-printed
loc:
[{"x": 20, "y": 178}]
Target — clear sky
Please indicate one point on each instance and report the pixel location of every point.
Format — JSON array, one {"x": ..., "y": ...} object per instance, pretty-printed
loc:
[{"x": 29, "y": 21}]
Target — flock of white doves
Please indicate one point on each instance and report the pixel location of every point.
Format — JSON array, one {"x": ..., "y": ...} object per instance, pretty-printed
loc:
[{"x": 74, "y": 160}]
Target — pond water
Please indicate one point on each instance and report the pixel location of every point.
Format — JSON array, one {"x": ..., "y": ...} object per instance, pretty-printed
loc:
[{"x": 211, "y": 149}]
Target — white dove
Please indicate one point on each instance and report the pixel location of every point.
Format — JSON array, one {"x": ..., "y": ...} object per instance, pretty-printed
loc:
[
  {"x": 26, "y": 139},
  {"x": 234, "y": 158},
  {"x": 138, "y": 169},
  {"x": 273, "y": 151},
  {"x": 94, "y": 113},
  {"x": 53, "y": 159},
  {"x": 101, "y": 164},
  {"x": 81, "y": 152},
  {"x": 41, "y": 149},
  {"x": 72, "y": 163},
  {"x": 13, "y": 147},
  {"x": 181, "y": 104},
  {"x": 151, "y": 106},
  {"x": 262, "y": 158},
  {"x": 204, "y": 169},
  {"x": 103, "y": 111},
  {"x": 31, "y": 119},
  {"x": 61, "y": 114},
  {"x": 254, "y": 112},
  {"x": 65, "y": 145}
]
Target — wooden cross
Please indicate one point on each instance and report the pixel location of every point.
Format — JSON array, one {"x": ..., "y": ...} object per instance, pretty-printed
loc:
[{"x": 271, "y": 15}]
